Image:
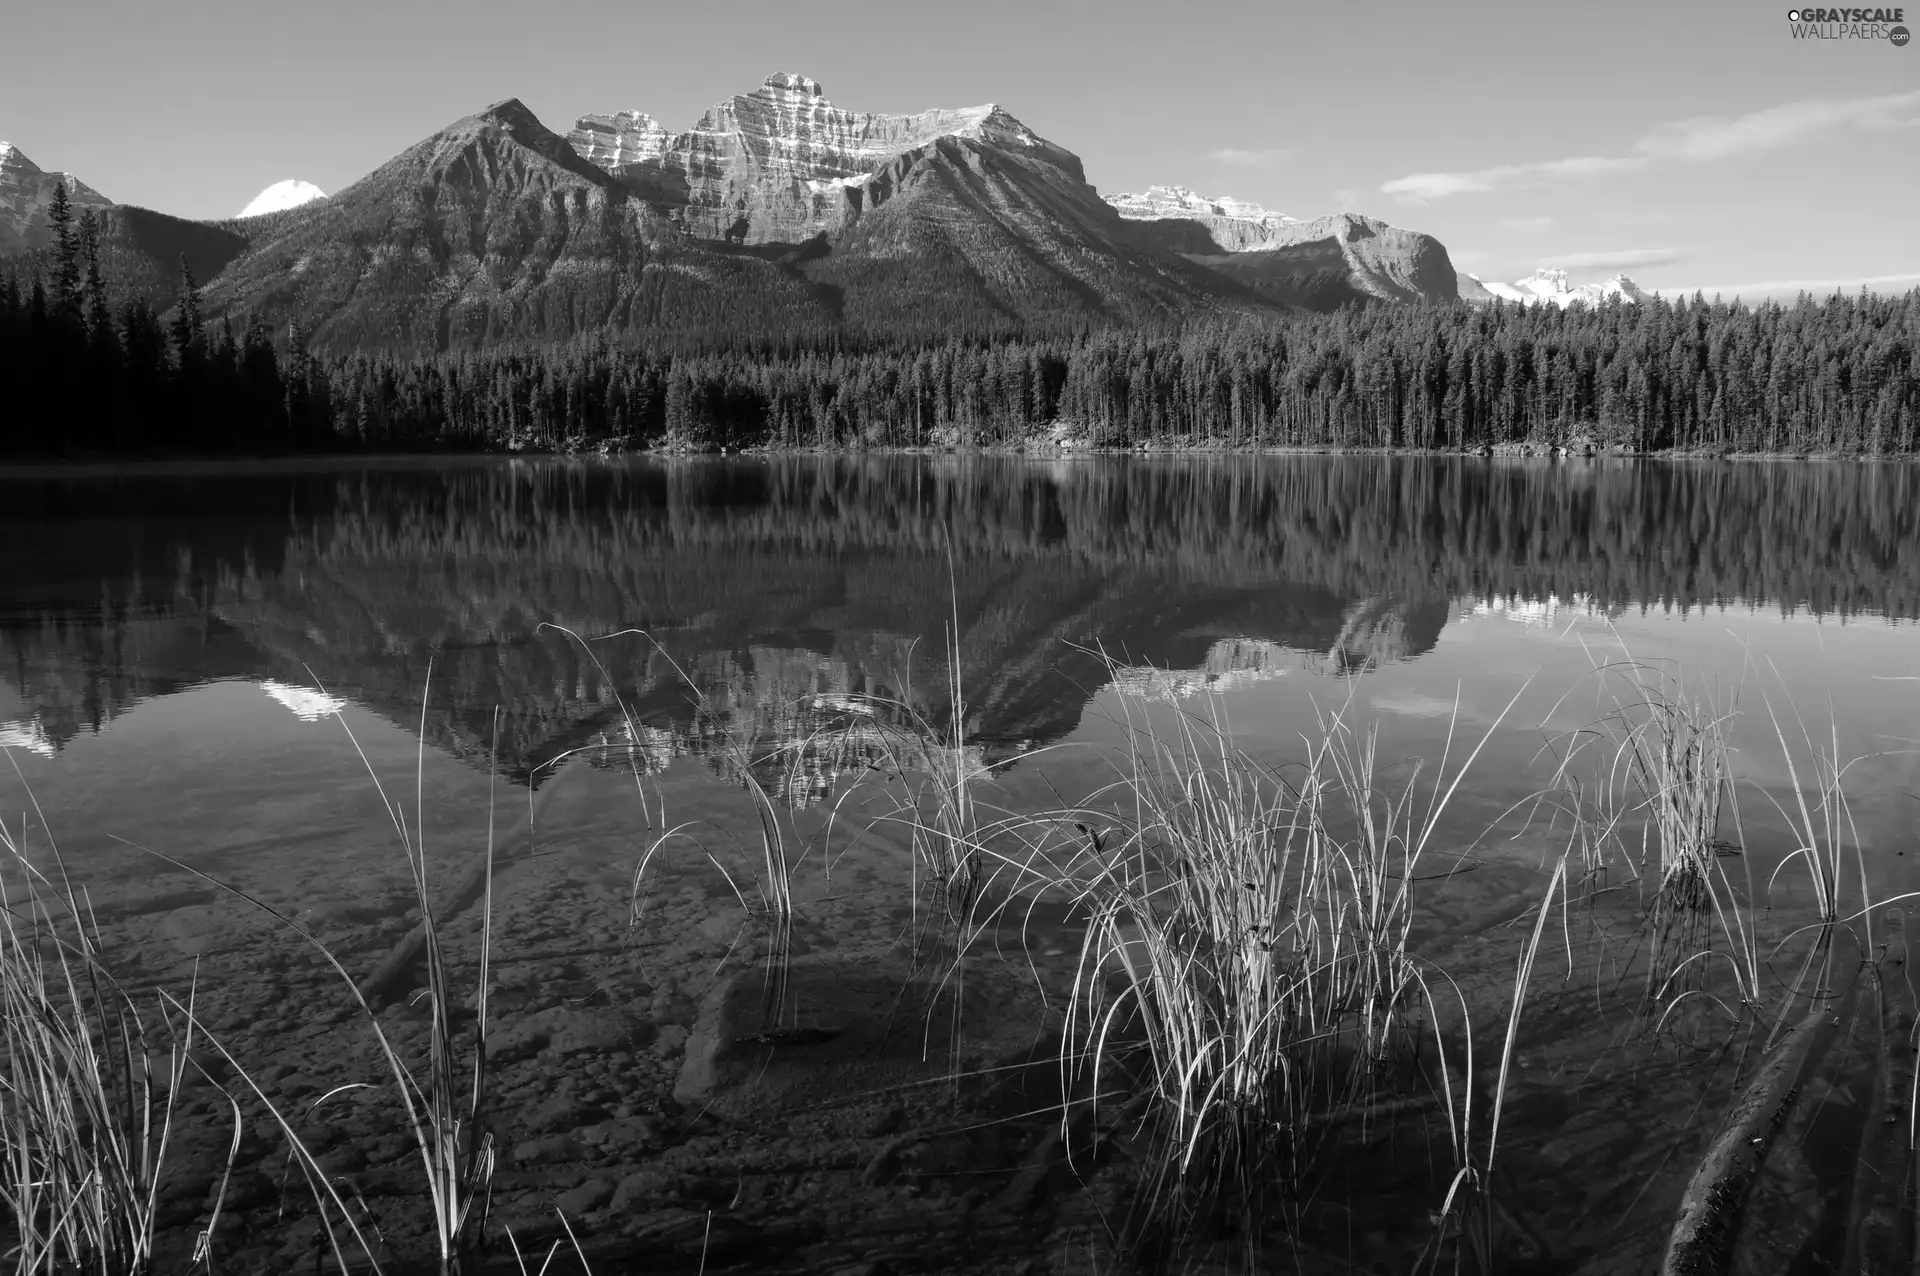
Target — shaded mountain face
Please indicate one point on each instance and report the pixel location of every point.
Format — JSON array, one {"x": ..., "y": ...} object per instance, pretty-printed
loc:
[
  {"x": 1318, "y": 264},
  {"x": 26, "y": 190},
  {"x": 141, "y": 250}
]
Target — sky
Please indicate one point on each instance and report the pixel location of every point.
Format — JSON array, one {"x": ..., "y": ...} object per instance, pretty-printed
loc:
[{"x": 1692, "y": 147}]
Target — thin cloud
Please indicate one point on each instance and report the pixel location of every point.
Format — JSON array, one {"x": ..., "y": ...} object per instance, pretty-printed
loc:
[
  {"x": 1424, "y": 186},
  {"x": 1712, "y": 137},
  {"x": 1700, "y": 139},
  {"x": 1789, "y": 288},
  {"x": 1616, "y": 259},
  {"x": 1249, "y": 159}
]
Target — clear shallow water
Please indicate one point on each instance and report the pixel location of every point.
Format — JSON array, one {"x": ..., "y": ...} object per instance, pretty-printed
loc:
[{"x": 164, "y": 637}]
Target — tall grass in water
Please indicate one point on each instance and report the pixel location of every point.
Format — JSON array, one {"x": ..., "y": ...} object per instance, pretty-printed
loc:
[
  {"x": 1665, "y": 801},
  {"x": 1674, "y": 748},
  {"x": 88, "y": 1088},
  {"x": 1248, "y": 932},
  {"x": 444, "y": 1097}
]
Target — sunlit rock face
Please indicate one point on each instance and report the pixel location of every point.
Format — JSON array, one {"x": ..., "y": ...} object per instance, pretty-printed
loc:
[
  {"x": 281, "y": 196},
  {"x": 619, "y": 141},
  {"x": 26, "y": 191},
  {"x": 783, "y": 163},
  {"x": 1229, "y": 225}
]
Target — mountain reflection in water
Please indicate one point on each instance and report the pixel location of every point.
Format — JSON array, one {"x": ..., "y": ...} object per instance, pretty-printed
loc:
[{"x": 785, "y": 593}]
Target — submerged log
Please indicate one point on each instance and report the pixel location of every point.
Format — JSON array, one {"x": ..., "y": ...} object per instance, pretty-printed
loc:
[
  {"x": 379, "y": 987},
  {"x": 1878, "y": 1239},
  {"x": 1703, "y": 1237}
]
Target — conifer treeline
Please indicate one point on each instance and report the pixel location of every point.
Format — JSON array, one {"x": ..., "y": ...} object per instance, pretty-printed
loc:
[{"x": 1840, "y": 376}]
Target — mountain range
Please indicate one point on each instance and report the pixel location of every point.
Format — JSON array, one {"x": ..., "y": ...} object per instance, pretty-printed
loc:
[{"x": 777, "y": 213}]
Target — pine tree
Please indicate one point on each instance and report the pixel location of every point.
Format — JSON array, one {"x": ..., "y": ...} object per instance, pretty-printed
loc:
[
  {"x": 99, "y": 319},
  {"x": 186, "y": 318},
  {"x": 64, "y": 302}
]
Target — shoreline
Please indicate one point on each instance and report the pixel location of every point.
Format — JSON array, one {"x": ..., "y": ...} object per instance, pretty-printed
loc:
[{"x": 323, "y": 461}]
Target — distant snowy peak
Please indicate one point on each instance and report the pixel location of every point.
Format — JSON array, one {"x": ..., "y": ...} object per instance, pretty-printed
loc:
[
  {"x": 281, "y": 196},
  {"x": 1178, "y": 201},
  {"x": 1549, "y": 285}
]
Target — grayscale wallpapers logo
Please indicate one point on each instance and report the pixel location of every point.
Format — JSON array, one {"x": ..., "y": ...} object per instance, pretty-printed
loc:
[{"x": 1849, "y": 24}]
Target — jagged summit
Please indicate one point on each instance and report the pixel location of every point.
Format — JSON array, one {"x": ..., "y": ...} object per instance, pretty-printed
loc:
[
  {"x": 778, "y": 164},
  {"x": 787, "y": 81},
  {"x": 1550, "y": 285},
  {"x": 511, "y": 112},
  {"x": 26, "y": 190}
]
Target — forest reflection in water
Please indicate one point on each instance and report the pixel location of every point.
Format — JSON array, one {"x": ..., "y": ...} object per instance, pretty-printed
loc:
[{"x": 781, "y": 585}]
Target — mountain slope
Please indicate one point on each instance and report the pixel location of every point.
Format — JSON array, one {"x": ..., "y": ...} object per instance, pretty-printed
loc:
[
  {"x": 141, "y": 250},
  {"x": 492, "y": 229},
  {"x": 962, "y": 222},
  {"x": 1319, "y": 264}
]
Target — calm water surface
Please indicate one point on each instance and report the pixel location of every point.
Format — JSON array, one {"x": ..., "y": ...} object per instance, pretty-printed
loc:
[{"x": 171, "y": 641}]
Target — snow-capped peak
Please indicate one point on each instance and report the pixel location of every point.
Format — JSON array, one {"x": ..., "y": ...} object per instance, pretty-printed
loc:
[
  {"x": 281, "y": 196},
  {"x": 1550, "y": 284}
]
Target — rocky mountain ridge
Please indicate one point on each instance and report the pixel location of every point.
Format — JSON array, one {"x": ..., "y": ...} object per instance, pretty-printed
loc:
[
  {"x": 1231, "y": 225},
  {"x": 26, "y": 190},
  {"x": 783, "y": 163}
]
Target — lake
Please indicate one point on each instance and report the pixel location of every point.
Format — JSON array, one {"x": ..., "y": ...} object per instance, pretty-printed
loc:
[{"x": 739, "y": 673}]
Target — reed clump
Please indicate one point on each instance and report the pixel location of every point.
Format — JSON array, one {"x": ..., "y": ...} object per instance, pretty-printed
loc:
[
  {"x": 1674, "y": 747},
  {"x": 1247, "y": 944},
  {"x": 88, "y": 1088}
]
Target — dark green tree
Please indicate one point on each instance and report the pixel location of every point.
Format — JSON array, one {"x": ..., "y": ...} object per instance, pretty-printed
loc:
[
  {"x": 98, "y": 319},
  {"x": 64, "y": 299},
  {"x": 186, "y": 328}
]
